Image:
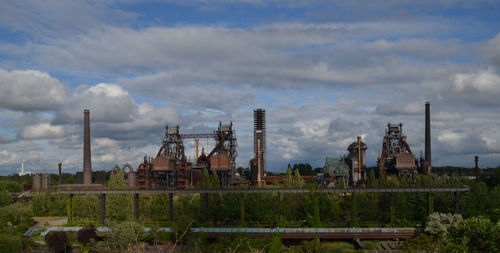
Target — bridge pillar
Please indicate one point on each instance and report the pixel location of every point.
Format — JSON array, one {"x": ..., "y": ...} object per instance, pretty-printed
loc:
[
  {"x": 457, "y": 204},
  {"x": 103, "y": 208},
  {"x": 430, "y": 203},
  {"x": 279, "y": 206},
  {"x": 136, "y": 206},
  {"x": 69, "y": 211},
  {"x": 392, "y": 210},
  {"x": 354, "y": 210},
  {"x": 205, "y": 206},
  {"x": 242, "y": 208},
  {"x": 171, "y": 206}
]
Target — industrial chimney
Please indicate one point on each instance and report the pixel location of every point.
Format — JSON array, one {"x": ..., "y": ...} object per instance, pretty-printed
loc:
[
  {"x": 428, "y": 163},
  {"x": 60, "y": 170},
  {"x": 476, "y": 168},
  {"x": 87, "y": 165}
]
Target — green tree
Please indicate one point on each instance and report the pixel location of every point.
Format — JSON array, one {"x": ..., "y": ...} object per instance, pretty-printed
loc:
[
  {"x": 5, "y": 198},
  {"x": 118, "y": 206},
  {"x": 439, "y": 224},
  {"x": 122, "y": 234},
  {"x": 288, "y": 180},
  {"x": 298, "y": 181},
  {"x": 476, "y": 234}
]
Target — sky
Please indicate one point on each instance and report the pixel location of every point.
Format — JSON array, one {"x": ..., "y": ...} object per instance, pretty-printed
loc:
[{"x": 324, "y": 71}]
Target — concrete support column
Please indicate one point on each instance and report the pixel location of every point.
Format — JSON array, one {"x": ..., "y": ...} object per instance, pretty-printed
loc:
[
  {"x": 457, "y": 205},
  {"x": 242, "y": 208},
  {"x": 279, "y": 206},
  {"x": 103, "y": 208},
  {"x": 136, "y": 206},
  {"x": 205, "y": 206},
  {"x": 430, "y": 203},
  {"x": 354, "y": 210},
  {"x": 391, "y": 208},
  {"x": 70, "y": 208},
  {"x": 171, "y": 206}
]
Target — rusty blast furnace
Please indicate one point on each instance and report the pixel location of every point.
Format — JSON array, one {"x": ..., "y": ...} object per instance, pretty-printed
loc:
[
  {"x": 396, "y": 157},
  {"x": 170, "y": 169}
]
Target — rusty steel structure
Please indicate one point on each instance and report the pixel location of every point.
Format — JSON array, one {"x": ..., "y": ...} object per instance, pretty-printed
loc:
[
  {"x": 356, "y": 161},
  {"x": 397, "y": 157},
  {"x": 170, "y": 168}
]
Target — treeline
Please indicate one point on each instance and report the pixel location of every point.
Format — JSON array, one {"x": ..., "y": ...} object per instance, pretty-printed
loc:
[{"x": 316, "y": 209}]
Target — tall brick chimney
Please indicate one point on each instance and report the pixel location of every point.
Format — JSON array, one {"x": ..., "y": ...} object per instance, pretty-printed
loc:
[
  {"x": 87, "y": 164},
  {"x": 428, "y": 137}
]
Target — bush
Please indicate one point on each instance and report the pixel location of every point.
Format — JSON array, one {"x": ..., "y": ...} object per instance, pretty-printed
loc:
[
  {"x": 57, "y": 241},
  {"x": 9, "y": 243},
  {"x": 86, "y": 234},
  {"x": 440, "y": 223},
  {"x": 123, "y": 234},
  {"x": 370, "y": 245}
]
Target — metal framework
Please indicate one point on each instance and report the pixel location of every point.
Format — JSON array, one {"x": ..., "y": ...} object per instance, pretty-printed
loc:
[
  {"x": 264, "y": 191},
  {"x": 396, "y": 157}
]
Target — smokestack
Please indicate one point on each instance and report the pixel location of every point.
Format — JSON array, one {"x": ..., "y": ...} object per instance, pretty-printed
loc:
[
  {"x": 476, "y": 168},
  {"x": 87, "y": 165},
  {"x": 428, "y": 162},
  {"x": 60, "y": 168},
  {"x": 359, "y": 158}
]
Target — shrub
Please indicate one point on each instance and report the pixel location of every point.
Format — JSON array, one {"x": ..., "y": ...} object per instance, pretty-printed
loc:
[
  {"x": 86, "y": 234},
  {"x": 57, "y": 241}
]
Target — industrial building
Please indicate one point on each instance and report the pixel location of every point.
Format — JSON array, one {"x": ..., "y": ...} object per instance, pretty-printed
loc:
[{"x": 170, "y": 168}]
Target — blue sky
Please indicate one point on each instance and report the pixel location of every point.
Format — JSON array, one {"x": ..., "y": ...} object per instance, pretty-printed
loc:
[{"x": 325, "y": 71}]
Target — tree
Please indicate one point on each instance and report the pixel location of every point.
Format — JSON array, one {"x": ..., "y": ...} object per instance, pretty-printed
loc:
[
  {"x": 118, "y": 206},
  {"x": 288, "y": 180},
  {"x": 298, "y": 182},
  {"x": 5, "y": 198},
  {"x": 215, "y": 180},
  {"x": 122, "y": 234},
  {"x": 439, "y": 224},
  {"x": 476, "y": 234},
  {"x": 304, "y": 169}
]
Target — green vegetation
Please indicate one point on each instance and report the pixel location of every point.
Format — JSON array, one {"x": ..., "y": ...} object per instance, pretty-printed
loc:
[{"x": 476, "y": 231}]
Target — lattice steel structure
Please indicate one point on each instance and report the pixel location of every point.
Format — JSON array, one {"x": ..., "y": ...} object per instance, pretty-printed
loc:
[
  {"x": 396, "y": 157},
  {"x": 259, "y": 133}
]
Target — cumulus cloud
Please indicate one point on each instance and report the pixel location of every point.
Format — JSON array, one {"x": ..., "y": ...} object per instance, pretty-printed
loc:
[
  {"x": 106, "y": 102},
  {"x": 400, "y": 108},
  {"x": 41, "y": 131},
  {"x": 480, "y": 88},
  {"x": 5, "y": 138},
  {"x": 30, "y": 90},
  {"x": 492, "y": 50}
]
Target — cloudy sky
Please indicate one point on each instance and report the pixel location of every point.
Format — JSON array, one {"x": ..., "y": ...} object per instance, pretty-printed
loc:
[{"x": 325, "y": 71}]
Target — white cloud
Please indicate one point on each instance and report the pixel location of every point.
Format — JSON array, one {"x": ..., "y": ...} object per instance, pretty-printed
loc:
[
  {"x": 106, "y": 102},
  {"x": 30, "y": 90},
  {"x": 42, "y": 131},
  {"x": 492, "y": 50},
  {"x": 397, "y": 108},
  {"x": 482, "y": 82}
]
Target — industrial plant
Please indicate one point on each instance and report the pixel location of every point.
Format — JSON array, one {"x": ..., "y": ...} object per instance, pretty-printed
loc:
[{"x": 170, "y": 168}]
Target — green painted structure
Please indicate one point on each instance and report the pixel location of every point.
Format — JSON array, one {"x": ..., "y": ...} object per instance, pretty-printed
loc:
[{"x": 336, "y": 170}]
